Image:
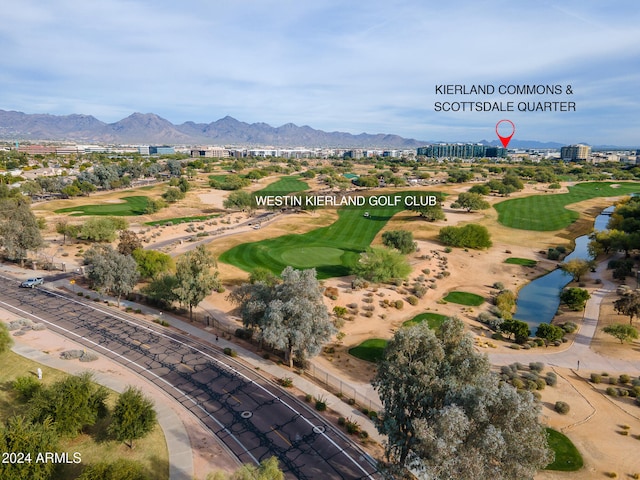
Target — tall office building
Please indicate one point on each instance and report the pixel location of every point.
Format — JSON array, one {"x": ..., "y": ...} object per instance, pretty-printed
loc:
[{"x": 575, "y": 152}]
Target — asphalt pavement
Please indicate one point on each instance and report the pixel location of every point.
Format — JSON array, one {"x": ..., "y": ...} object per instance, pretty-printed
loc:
[{"x": 253, "y": 417}]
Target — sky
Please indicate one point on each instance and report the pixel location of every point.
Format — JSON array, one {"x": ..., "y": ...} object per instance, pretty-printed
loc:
[{"x": 354, "y": 66}]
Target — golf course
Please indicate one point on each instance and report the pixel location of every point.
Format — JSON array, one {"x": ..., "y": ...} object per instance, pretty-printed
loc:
[
  {"x": 330, "y": 250},
  {"x": 545, "y": 213}
]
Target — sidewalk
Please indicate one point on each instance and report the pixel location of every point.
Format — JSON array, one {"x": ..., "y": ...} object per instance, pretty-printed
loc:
[{"x": 206, "y": 334}]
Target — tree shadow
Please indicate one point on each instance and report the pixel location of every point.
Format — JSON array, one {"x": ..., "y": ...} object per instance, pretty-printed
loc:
[{"x": 159, "y": 468}]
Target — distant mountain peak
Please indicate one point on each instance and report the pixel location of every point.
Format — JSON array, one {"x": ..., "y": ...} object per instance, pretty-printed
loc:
[{"x": 150, "y": 128}]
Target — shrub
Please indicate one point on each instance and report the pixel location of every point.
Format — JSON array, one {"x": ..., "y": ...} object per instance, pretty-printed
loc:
[
  {"x": 230, "y": 351},
  {"x": 286, "y": 382},
  {"x": 624, "y": 379},
  {"x": 352, "y": 427},
  {"x": 541, "y": 382},
  {"x": 351, "y": 401},
  {"x": 342, "y": 421},
  {"x": 517, "y": 383},
  {"x": 308, "y": 397},
  {"x": 562, "y": 407},
  {"x": 399, "y": 304},
  {"x": 536, "y": 366},
  {"x": 412, "y": 300},
  {"x": 551, "y": 379},
  {"x": 321, "y": 405},
  {"x": 613, "y": 392},
  {"x": 569, "y": 327},
  {"x": 26, "y": 386},
  {"x": 498, "y": 286}
]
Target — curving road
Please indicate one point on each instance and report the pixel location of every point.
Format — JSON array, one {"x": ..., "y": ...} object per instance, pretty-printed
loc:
[{"x": 254, "y": 418}]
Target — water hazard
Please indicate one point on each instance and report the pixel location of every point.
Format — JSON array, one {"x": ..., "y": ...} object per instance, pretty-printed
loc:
[{"x": 538, "y": 301}]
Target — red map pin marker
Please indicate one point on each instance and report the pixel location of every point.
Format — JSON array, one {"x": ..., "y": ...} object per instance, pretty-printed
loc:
[{"x": 505, "y": 140}]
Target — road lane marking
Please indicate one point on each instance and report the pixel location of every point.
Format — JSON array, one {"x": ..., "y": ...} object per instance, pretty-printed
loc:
[{"x": 273, "y": 429}]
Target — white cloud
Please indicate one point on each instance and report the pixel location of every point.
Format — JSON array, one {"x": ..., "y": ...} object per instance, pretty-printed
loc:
[{"x": 357, "y": 66}]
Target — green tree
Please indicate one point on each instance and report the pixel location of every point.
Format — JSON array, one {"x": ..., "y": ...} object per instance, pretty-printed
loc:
[
  {"x": 467, "y": 236},
  {"x": 622, "y": 331},
  {"x": 549, "y": 332},
  {"x": 629, "y": 305},
  {"x": 267, "y": 470},
  {"x": 161, "y": 290},
  {"x": 152, "y": 263},
  {"x": 430, "y": 213},
  {"x": 65, "y": 229},
  {"x": 129, "y": 241},
  {"x": 172, "y": 195},
  {"x": 194, "y": 278},
  {"x": 111, "y": 270},
  {"x": 133, "y": 417},
  {"x": 576, "y": 267},
  {"x": 575, "y": 298},
  {"x": 154, "y": 205},
  {"x": 480, "y": 189},
  {"x": 102, "y": 229},
  {"x": 73, "y": 404},
  {"x": 472, "y": 201},
  {"x": 121, "y": 469},
  {"x": 367, "y": 181},
  {"x": 290, "y": 315},
  {"x": 379, "y": 264},
  {"x": 517, "y": 328},
  {"x": 240, "y": 200},
  {"x": 19, "y": 230},
  {"x": 437, "y": 390},
  {"x": 5, "y": 338},
  {"x": 264, "y": 275},
  {"x": 18, "y": 434},
  {"x": 401, "y": 240}
]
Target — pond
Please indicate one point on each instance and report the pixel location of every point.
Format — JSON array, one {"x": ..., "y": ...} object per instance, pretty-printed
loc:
[{"x": 539, "y": 300}]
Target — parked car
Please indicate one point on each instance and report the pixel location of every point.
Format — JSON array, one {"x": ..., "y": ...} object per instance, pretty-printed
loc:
[{"x": 32, "y": 282}]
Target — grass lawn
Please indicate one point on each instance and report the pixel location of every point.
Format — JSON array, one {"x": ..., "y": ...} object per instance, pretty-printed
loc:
[
  {"x": 464, "y": 298},
  {"x": 521, "y": 261},
  {"x": 178, "y": 220},
  {"x": 371, "y": 350},
  {"x": 330, "y": 250},
  {"x": 547, "y": 212},
  {"x": 568, "y": 459},
  {"x": 434, "y": 320},
  {"x": 94, "y": 447},
  {"x": 283, "y": 186},
  {"x": 136, "y": 205}
]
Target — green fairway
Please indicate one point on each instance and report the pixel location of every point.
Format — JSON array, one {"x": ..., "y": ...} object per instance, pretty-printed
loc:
[
  {"x": 464, "y": 298},
  {"x": 283, "y": 186},
  {"x": 136, "y": 205},
  {"x": 330, "y": 250},
  {"x": 521, "y": 261},
  {"x": 371, "y": 350},
  {"x": 548, "y": 212},
  {"x": 435, "y": 320},
  {"x": 568, "y": 458},
  {"x": 178, "y": 220}
]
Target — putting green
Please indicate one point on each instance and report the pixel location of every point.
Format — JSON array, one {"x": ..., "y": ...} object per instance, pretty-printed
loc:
[
  {"x": 331, "y": 250},
  {"x": 307, "y": 257}
]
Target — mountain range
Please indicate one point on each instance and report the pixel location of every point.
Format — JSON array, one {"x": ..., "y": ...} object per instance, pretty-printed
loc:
[{"x": 149, "y": 128}]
